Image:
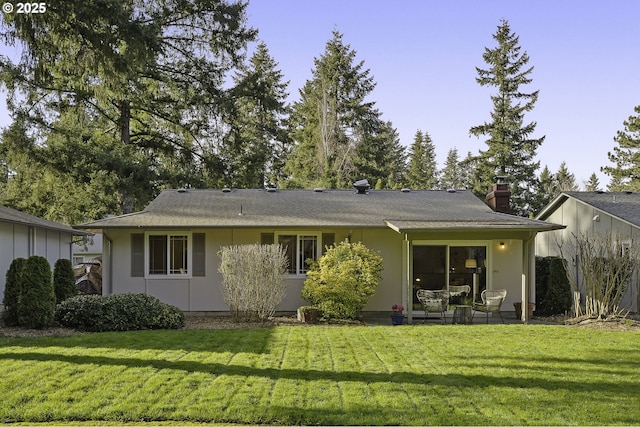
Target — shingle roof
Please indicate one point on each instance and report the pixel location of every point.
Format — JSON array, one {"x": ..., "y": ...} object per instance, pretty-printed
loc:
[
  {"x": 623, "y": 205},
  {"x": 16, "y": 217},
  {"x": 330, "y": 208}
]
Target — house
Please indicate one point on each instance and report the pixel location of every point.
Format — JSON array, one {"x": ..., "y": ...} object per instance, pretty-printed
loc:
[
  {"x": 427, "y": 239},
  {"x": 23, "y": 235},
  {"x": 87, "y": 249},
  {"x": 593, "y": 213}
]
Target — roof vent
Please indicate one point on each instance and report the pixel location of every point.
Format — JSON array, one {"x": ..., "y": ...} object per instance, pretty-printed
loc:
[
  {"x": 226, "y": 190},
  {"x": 451, "y": 190},
  {"x": 405, "y": 190},
  {"x": 361, "y": 186},
  {"x": 318, "y": 190}
]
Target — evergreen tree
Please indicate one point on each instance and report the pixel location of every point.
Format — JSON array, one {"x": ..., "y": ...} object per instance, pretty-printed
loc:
[
  {"x": 64, "y": 281},
  {"x": 625, "y": 174},
  {"x": 37, "y": 301},
  {"x": 565, "y": 179},
  {"x": 422, "y": 172},
  {"x": 149, "y": 75},
  {"x": 12, "y": 291},
  {"x": 335, "y": 130},
  {"x": 453, "y": 174},
  {"x": 593, "y": 184},
  {"x": 546, "y": 190},
  {"x": 511, "y": 149},
  {"x": 255, "y": 148}
]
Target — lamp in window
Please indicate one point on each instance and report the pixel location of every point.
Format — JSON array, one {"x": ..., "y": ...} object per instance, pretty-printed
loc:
[{"x": 472, "y": 264}]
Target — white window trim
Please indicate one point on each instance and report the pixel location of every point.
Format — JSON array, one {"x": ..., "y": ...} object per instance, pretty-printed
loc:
[
  {"x": 298, "y": 234},
  {"x": 186, "y": 275}
]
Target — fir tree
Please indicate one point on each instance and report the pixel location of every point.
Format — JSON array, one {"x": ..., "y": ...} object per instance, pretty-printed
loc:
[
  {"x": 422, "y": 172},
  {"x": 510, "y": 147},
  {"x": 453, "y": 174},
  {"x": 625, "y": 174},
  {"x": 255, "y": 148},
  {"x": 565, "y": 179},
  {"x": 593, "y": 184},
  {"x": 336, "y": 131}
]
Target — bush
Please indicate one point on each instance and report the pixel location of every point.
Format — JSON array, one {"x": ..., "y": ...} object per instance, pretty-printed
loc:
[
  {"x": 342, "y": 280},
  {"x": 37, "y": 301},
  {"x": 64, "y": 281},
  {"x": 119, "y": 312},
  {"x": 253, "y": 279},
  {"x": 558, "y": 298},
  {"x": 11, "y": 299},
  {"x": 542, "y": 281}
]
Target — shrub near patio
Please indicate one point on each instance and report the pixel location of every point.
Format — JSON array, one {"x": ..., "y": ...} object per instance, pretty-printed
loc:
[{"x": 342, "y": 280}]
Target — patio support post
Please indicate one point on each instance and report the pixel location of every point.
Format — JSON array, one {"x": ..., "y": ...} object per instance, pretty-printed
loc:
[
  {"x": 407, "y": 296},
  {"x": 528, "y": 274}
]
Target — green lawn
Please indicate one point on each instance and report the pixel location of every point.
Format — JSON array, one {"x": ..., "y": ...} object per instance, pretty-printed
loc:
[{"x": 414, "y": 375}]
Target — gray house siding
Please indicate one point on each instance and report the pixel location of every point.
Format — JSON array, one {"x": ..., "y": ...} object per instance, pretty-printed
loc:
[{"x": 581, "y": 218}]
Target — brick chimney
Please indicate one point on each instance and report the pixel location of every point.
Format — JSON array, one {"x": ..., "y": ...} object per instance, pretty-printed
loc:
[{"x": 499, "y": 196}]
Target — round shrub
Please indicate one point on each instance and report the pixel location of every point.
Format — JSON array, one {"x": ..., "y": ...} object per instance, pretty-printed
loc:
[
  {"x": 342, "y": 280},
  {"x": 119, "y": 312},
  {"x": 12, "y": 292},
  {"x": 64, "y": 281},
  {"x": 37, "y": 301}
]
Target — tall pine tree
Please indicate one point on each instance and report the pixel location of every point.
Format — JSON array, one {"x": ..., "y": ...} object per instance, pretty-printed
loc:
[
  {"x": 151, "y": 74},
  {"x": 336, "y": 131},
  {"x": 625, "y": 174},
  {"x": 422, "y": 173},
  {"x": 453, "y": 175},
  {"x": 510, "y": 147},
  {"x": 254, "y": 149}
]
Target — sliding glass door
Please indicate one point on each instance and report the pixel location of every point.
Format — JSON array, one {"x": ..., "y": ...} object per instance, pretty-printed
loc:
[{"x": 440, "y": 266}]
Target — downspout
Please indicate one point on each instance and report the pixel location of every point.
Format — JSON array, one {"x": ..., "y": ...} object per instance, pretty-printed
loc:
[
  {"x": 106, "y": 241},
  {"x": 528, "y": 275}
]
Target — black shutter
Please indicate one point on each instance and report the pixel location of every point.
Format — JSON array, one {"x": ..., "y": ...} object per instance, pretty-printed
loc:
[
  {"x": 137, "y": 255},
  {"x": 199, "y": 255}
]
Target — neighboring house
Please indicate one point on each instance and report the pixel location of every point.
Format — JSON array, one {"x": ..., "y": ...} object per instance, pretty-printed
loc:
[
  {"x": 87, "y": 249},
  {"x": 426, "y": 239},
  {"x": 23, "y": 235},
  {"x": 594, "y": 213}
]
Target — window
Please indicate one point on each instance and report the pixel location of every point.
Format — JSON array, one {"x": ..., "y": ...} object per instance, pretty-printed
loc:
[
  {"x": 168, "y": 254},
  {"x": 299, "y": 248}
]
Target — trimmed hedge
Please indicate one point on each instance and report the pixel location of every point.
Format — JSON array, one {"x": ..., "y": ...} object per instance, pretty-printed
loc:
[
  {"x": 37, "y": 303},
  {"x": 119, "y": 312},
  {"x": 64, "y": 281},
  {"x": 11, "y": 299}
]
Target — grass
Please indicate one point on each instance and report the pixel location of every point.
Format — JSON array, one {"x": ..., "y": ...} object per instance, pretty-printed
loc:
[{"x": 337, "y": 375}]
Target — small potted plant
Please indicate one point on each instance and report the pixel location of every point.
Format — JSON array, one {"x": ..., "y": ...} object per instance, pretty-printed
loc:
[
  {"x": 308, "y": 314},
  {"x": 397, "y": 318}
]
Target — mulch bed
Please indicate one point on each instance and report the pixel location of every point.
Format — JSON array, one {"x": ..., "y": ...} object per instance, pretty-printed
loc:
[{"x": 226, "y": 322}]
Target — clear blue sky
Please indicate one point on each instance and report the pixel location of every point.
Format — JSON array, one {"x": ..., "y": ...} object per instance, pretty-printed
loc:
[{"x": 423, "y": 53}]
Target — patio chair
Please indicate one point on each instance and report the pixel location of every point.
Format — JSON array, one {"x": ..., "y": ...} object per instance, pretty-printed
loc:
[
  {"x": 491, "y": 302},
  {"x": 433, "y": 302},
  {"x": 458, "y": 293}
]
